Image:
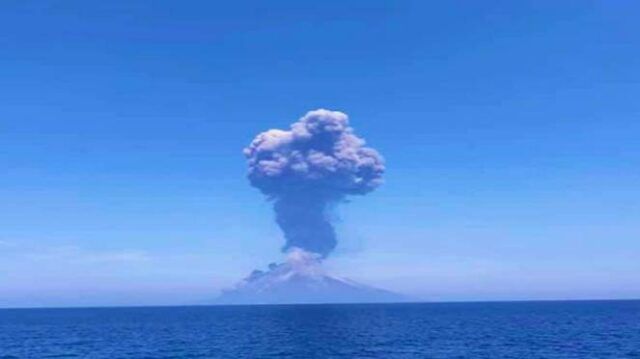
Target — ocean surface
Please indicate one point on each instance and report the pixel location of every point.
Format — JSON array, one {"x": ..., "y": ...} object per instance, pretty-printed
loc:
[{"x": 584, "y": 329}]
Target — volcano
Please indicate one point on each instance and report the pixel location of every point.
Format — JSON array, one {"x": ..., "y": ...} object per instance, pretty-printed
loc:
[{"x": 299, "y": 280}]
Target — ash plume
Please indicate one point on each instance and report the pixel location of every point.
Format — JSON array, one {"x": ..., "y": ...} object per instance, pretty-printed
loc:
[{"x": 308, "y": 169}]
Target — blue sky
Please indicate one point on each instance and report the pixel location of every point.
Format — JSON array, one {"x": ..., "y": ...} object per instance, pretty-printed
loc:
[{"x": 510, "y": 131}]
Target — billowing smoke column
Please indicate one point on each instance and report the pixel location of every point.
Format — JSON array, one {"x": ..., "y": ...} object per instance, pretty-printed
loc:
[{"x": 308, "y": 169}]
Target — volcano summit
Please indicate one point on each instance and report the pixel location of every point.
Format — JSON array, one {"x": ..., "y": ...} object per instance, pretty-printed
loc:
[{"x": 302, "y": 279}]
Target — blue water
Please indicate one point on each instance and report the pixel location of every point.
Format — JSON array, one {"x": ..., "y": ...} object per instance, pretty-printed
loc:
[{"x": 593, "y": 329}]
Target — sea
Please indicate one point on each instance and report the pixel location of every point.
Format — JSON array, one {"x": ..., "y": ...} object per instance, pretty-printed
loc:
[{"x": 562, "y": 329}]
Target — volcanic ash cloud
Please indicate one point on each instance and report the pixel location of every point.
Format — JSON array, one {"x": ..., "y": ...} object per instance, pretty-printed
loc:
[{"x": 306, "y": 170}]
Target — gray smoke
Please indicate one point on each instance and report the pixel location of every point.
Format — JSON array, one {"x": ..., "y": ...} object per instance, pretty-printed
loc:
[{"x": 308, "y": 169}]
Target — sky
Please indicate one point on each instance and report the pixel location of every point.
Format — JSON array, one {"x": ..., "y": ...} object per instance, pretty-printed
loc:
[{"x": 510, "y": 132}]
